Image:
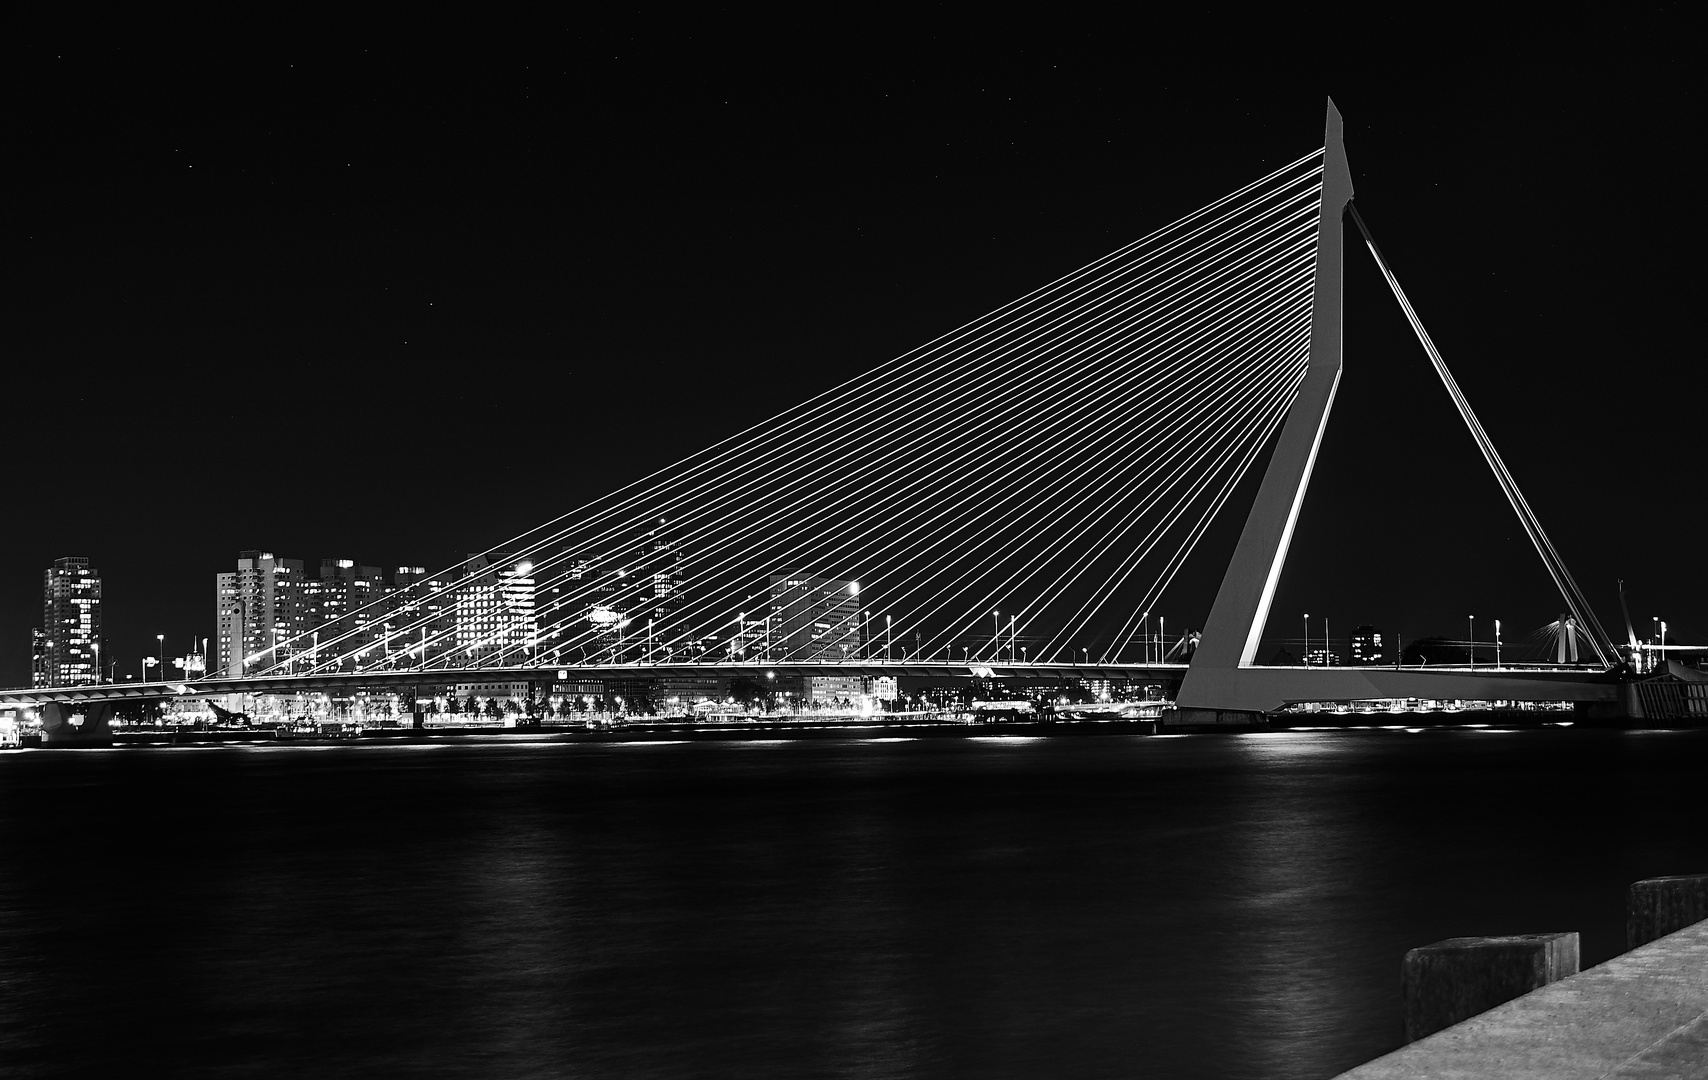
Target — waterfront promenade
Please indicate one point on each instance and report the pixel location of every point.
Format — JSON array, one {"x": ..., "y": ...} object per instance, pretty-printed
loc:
[{"x": 1643, "y": 1014}]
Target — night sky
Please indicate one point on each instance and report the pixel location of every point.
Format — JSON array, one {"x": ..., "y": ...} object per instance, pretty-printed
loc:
[{"x": 395, "y": 294}]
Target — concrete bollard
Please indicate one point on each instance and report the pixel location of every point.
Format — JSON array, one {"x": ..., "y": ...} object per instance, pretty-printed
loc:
[
  {"x": 1455, "y": 979},
  {"x": 1658, "y": 906}
]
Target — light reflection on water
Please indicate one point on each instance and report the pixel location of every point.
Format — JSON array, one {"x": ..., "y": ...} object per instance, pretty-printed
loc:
[{"x": 1065, "y": 907}]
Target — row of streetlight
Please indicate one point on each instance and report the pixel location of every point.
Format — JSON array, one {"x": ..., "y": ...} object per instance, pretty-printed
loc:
[
  {"x": 187, "y": 663},
  {"x": 1472, "y": 644}
]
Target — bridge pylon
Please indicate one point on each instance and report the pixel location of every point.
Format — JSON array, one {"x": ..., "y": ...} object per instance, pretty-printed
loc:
[{"x": 1224, "y": 686}]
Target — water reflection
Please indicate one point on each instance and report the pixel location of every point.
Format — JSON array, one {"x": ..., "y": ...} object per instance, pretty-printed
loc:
[{"x": 1065, "y": 907}]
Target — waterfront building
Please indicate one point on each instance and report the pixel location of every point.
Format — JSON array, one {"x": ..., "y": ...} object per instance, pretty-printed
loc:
[
  {"x": 495, "y": 611},
  {"x": 518, "y": 691},
  {"x": 816, "y": 618},
  {"x": 262, "y": 613},
  {"x": 348, "y": 616},
  {"x": 662, "y": 567},
  {"x": 619, "y": 606},
  {"x": 1366, "y": 645},
  {"x": 684, "y": 691},
  {"x": 1322, "y": 658},
  {"x": 421, "y": 618},
  {"x": 38, "y": 657},
  {"x": 67, "y": 652}
]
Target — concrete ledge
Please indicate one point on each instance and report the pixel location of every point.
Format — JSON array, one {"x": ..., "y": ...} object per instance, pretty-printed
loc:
[
  {"x": 1656, "y": 907},
  {"x": 1454, "y": 980},
  {"x": 1643, "y": 1014}
]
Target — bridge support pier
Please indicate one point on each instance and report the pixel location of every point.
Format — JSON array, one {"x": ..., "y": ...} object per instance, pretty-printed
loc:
[
  {"x": 1187, "y": 719},
  {"x": 90, "y": 725}
]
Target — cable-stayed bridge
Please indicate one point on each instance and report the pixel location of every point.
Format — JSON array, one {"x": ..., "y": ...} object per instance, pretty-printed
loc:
[{"x": 1015, "y": 498}]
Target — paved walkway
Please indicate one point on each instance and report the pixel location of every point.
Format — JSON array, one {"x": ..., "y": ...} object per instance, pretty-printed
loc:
[{"x": 1640, "y": 1016}]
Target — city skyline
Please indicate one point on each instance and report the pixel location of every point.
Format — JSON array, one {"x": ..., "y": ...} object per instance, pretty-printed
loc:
[
  {"x": 489, "y": 610},
  {"x": 893, "y": 235}
]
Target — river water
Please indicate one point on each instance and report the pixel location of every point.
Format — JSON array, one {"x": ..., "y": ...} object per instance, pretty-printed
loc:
[{"x": 1091, "y": 906}]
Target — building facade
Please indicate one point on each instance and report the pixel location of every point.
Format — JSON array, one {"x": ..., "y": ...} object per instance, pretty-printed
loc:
[
  {"x": 817, "y": 618},
  {"x": 263, "y": 616},
  {"x": 67, "y": 651},
  {"x": 495, "y": 612},
  {"x": 273, "y": 615},
  {"x": 1366, "y": 645}
]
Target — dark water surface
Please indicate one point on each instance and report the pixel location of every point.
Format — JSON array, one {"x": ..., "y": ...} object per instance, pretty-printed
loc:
[{"x": 1116, "y": 906}]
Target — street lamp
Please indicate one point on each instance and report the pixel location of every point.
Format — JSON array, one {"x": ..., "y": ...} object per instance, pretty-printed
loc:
[
  {"x": 1497, "y": 644},
  {"x": 1473, "y": 619},
  {"x": 1307, "y": 655},
  {"x": 1085, "y": 655},
  {"x": 995, "y": 634},
  {"x": 1145, "y": 632},
  {"x": 1011, "y": 639},
  {"x": 889, "y": 636},
  {"x": 161, "y": 638}
]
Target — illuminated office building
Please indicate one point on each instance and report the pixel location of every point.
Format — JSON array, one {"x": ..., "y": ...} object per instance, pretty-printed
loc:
[
  {"x": 495, "y": 611},
  {"x": 814, "y": 618},
  {"x": 67, "y": 653},
  {"x": 1366, "y": 645}
]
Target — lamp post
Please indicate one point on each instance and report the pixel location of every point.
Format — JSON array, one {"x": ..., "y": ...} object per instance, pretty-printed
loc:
[
  {"x": 1497, "y": 644},
  {"x": 1011, "y": 639},
  {"x": 161, "y": 638},
  {"x": 1145, "y": 632},
  {"x": 1473, "y": 619},
  {"x": 1307, "y": 654},
  {"x": 1085, "y": 655},
  {"x": 889, "y": 636},
  {"x": 995, "y": 634}
]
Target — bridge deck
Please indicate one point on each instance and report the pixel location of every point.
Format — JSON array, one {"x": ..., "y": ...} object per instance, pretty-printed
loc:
[{"x": 344, "y": 682}]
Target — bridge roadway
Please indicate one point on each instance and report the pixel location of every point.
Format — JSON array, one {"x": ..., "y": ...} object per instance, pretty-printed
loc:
[{"x": 351, "y": 682}]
